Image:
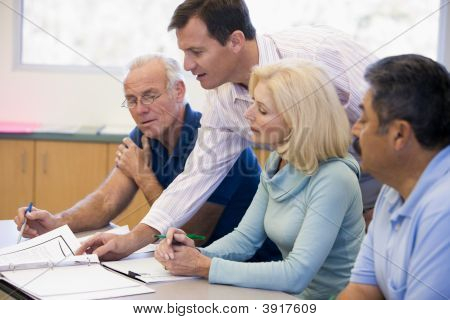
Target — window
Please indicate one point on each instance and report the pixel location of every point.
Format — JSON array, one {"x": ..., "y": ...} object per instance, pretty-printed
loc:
[{"x": 112, "y": 32}]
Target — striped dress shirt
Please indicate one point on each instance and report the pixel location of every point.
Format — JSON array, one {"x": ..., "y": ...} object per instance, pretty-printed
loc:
[{"x": 224, "y": 131}]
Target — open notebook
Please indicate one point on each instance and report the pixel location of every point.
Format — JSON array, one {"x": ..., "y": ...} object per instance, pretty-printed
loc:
[{"x": 45, "y": 268}]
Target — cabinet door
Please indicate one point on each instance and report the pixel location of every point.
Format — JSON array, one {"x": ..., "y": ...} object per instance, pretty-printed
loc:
[
  {"x": 138, "y": 208},
  {"x": 67, "y": 171},
  {"x": 16, "y": 174}
]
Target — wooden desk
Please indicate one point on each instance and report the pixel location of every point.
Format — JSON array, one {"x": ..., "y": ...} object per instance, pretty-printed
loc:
[{"x": 198, "y": 289}]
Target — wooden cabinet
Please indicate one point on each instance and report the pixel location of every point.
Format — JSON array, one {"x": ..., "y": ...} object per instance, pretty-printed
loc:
[
  {"x": 138, "y": 208},
  {"x": 57, "y": 174},
  {"x": 17, "y": 176},
  {"x": 67, "y": 171}
]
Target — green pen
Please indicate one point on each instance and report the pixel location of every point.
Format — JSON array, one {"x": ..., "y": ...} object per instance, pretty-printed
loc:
[{"x": 189, "y": 235}]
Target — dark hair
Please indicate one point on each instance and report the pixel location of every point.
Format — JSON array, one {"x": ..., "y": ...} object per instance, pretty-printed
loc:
[
  {"x": 222, "y": 17},
  {"x": 416, "y": 89}
]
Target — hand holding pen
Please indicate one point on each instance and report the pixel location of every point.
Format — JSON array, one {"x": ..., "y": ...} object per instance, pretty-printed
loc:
[
  {"x": 29, "y": 208},
  {"x": 173, "y": 237},
  {"x": 34, "y": 222}
]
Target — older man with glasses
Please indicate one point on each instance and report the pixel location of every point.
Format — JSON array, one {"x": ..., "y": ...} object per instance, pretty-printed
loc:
[{"x": 152, "y": 156}]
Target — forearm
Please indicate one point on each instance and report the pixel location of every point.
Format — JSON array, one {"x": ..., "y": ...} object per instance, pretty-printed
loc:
[
  {"x": 142, "y": 235},
  {"x": 355, "y": 291},
  {"x": 202, "y": 267},
  {"x": 149, "y": 185},
  {"x": 89, "y": 213}
]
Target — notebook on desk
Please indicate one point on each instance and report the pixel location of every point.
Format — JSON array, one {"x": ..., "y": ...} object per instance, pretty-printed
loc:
[{"x": 45, "y": 268}]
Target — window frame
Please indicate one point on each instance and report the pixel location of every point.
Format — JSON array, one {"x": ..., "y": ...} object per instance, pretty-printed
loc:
[{"x": 443, "y": 54}]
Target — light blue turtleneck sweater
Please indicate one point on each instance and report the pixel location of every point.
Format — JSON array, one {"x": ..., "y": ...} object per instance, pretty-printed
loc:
[{"x": 316, "y": 222}]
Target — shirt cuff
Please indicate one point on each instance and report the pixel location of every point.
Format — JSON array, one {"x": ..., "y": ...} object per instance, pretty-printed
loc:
[
  {"x": 155, "y": 219},
  {"x": 363, "y": 279}
]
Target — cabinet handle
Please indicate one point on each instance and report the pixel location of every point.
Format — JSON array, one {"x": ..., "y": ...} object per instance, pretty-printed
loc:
[
  {"x": 23, "y": 161},
  {"x": 44, "y": 163}
]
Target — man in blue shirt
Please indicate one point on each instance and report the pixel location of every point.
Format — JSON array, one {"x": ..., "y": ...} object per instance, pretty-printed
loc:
[
  {"x": 404, "y": 138},
  {"x": 153, "y": 156}
]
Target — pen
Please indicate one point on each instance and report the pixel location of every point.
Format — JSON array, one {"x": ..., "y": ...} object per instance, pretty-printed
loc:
[
  {"x": 189, "y": 235},
  {"x": 30, "y": 207}
]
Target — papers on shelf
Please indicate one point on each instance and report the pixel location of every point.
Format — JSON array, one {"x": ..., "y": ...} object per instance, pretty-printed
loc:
[
  {"x": 60, "y": 129},
  {"x": 17, "y": 127},
  {"x": 115, "y": 130}
]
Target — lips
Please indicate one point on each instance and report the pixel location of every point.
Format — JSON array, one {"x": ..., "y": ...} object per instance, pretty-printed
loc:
[
  {"x": 147, "y": 122},
  {"x": 200, "y": 76}
]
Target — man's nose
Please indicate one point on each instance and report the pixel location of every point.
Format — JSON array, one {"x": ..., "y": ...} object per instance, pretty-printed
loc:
[
  {"x": 142, "y": 108},
  {"x": 356, "y": 129},
  {"x": 189, "y": 63},
  {"x": 249, "y": 113}
]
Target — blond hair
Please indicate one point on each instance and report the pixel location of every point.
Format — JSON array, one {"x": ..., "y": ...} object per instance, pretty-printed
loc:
[{"x": 307, "y": 100}]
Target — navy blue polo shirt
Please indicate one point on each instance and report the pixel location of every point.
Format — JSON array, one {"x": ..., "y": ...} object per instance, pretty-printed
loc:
[{"x": 235, "y": 192}]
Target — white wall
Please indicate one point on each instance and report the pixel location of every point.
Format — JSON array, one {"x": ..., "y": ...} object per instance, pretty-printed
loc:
[
  {"x": 444, "y": 35},
  {"x": 61, "y": 97},
  {"x": 79, "y": 98}
]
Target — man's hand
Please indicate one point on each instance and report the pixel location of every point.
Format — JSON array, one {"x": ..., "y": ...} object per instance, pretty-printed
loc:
[
  {"x": 174, "y": 236},
  {"x": 114, "y": 247},
  {"x": 107, "y": 246},
  {"x": 38, "y": 222},
  {"x": 132, "y": 160}
]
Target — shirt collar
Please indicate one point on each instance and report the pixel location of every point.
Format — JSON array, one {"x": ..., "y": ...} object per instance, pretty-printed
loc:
[
  {"x": 437, "y": 168},
  {"x": 267, "y": 53},
  {"x": 190, "y": 126},
  {"x": 267, "y": 50}
]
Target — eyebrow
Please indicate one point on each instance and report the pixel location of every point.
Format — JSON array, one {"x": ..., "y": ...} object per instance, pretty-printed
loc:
[
  {"x": 259, "y": 103},
  {"x": 149, "y": 91},
  {"x": 361, "y": 106}
]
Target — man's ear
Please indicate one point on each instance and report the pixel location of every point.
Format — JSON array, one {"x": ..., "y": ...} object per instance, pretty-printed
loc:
[
  {"x": 400, "y": 133},
  {"x": 236, "y": 41},
  {"x": 180, "y": 91}
]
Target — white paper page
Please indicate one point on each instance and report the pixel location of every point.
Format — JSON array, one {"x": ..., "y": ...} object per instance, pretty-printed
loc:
[
  {"x": 53, "y": 246},
  {"x": 149, "y": 269},
  {"x": 85, "y": 282},
  {"x": 148, "y": 248},
  {"x": 118, "y": 230}
]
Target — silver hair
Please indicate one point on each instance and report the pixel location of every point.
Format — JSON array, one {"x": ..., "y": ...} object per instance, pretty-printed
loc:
[{"x": 173, "y": 69}]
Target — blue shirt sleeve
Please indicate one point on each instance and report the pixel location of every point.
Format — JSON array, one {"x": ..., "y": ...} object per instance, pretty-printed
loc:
[
  {"x": 136, "y": 136},
  {"x": 364, "y": 270}
]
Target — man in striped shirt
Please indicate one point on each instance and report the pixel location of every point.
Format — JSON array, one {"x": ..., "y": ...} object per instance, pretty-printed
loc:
[{"x": 220, "y": 48}]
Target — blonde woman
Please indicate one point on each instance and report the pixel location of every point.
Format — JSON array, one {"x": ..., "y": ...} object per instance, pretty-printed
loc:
[{"x": 308, "y": 201}]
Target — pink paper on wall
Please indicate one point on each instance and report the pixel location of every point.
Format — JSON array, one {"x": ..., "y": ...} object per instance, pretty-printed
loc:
[{"x": 18, "y": 127}]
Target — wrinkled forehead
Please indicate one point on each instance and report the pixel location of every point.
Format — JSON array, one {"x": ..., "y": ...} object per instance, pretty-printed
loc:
[{"x": 147, "y": 77}]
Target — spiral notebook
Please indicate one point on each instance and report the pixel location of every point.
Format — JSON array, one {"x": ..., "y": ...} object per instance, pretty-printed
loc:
[{"x": 45, "y": 268}]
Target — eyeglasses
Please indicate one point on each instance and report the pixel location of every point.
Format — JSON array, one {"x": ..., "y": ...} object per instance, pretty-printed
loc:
[{"x": 146, "y": 100}]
